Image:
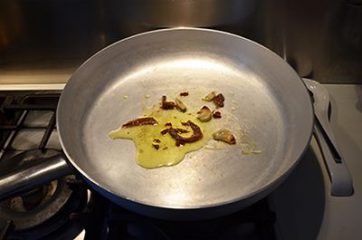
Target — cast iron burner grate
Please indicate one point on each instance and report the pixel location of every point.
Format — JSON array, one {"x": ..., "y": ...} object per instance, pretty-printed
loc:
[{"x": 27, "y": 133}]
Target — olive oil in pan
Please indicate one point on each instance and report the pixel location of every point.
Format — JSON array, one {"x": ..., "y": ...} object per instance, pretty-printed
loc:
[{"x": 157, "y": 149}]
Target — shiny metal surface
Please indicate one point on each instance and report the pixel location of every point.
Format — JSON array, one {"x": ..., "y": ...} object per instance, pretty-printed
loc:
[
  {"x": 321, "y": 39},
  {"x": 25, "y": 179},
  {"x": 137, "y": 16},
  {"x": 272, "y": 104},
  {"x": 40, "y": 44},
  {"x": 33, "y": 87},
  {"x": 341, "y": 179}
]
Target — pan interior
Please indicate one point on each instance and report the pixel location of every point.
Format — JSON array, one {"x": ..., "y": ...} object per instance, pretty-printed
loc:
[{"x": 115, "y": 85}]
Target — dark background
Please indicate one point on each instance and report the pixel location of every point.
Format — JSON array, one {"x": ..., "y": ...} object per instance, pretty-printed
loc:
[{"x": 320, "y": 39}]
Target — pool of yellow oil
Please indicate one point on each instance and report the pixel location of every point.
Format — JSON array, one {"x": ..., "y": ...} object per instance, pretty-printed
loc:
[{"x": 168, "y": 154}]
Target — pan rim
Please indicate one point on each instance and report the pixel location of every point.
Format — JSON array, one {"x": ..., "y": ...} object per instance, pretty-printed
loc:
[{"x": 264, "y": 187}]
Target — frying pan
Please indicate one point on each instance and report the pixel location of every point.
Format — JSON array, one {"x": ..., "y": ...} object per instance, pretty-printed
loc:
[{"x": 272, "y": 103}]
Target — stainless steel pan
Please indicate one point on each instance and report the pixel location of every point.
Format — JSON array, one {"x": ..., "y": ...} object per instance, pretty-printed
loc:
[{"x": 272, "y": 103}]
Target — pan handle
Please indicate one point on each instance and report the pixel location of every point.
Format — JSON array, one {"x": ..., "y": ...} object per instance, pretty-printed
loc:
[
  {"x": 341, "y": 180},
  {"x": 26, "y": 179}
]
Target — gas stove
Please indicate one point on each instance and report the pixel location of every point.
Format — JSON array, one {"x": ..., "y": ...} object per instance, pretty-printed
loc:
[{"x": 65, "y": 208}]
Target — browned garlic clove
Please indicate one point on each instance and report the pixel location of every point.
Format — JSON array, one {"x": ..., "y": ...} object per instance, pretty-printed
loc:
[
  {"x": 209, "y": 97},
  {"x": 180, "y": 140},
  {"x": 180, "y": 105},
  {"x": 140, "y": 122},
  {"x": 205, "y": 114},
  {"x": 224, "y": 135},
  {"x": 219, "y": 100},
  {"x": 166, "y": 105},
  {"x": 216, "y": 114}
]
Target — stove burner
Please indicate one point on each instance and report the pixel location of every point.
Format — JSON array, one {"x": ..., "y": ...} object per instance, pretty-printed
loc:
[
  {"x": 35, "y": 198},
  {"x": 44, "y": 209}
]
